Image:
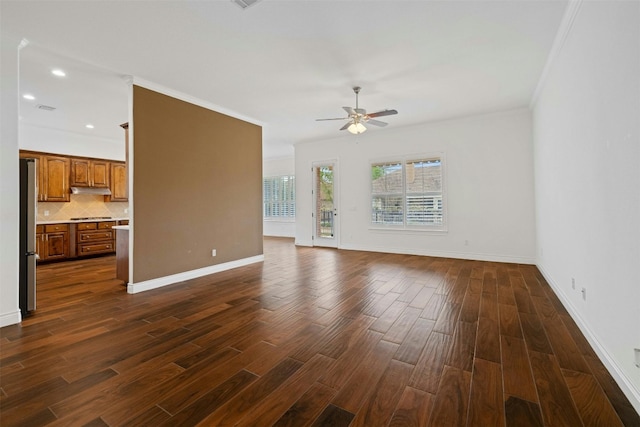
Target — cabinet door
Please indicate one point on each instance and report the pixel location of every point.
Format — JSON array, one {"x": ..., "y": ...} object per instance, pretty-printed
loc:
[
  {"x": 40, "y": 247},
  {"x": 119, "y": 187},
  {"x": 100, "y": 174},
  {"x": 57, "y": 245},
  {"x": 55, "y": 178},
  {"x": 80, "y": 173}
]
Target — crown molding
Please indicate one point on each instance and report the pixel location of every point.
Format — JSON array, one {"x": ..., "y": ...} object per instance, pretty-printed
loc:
[
  {"x": 564, "y": 30},
  {"x": 193, "y": 100}
]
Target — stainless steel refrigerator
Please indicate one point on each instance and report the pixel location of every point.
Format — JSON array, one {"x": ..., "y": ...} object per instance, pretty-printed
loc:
[{"x": 28, "y": 208}]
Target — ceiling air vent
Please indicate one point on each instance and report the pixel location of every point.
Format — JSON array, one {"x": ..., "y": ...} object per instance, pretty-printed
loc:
[
  {"x": 245, "y": 3},
  {"x": 45, "y": 107}
]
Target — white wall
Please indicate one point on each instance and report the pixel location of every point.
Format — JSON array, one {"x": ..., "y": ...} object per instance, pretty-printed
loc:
[
  {"x": 56, "y": 141},
  {"x": 489, "y": 180},
  {"x": 9, "y": 199},
  {"x": 279, "y": 167},
  {"x": 587, "y": 166}
]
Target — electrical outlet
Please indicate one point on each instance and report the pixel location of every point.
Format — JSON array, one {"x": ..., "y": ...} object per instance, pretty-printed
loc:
[
  {"x": 573, "y": 283},
  {"x": 584, "y": 293},
  {"x": 126, "y": 210},
  {"x": 46, "y": 213},
  {"x": 213, "y": 252}
]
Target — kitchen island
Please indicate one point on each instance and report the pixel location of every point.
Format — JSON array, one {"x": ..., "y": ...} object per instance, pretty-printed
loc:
[{"x": 122, "y": 252}]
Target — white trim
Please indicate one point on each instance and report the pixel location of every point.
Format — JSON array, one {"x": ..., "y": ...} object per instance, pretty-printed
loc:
[
  {"x": 11, "y": 318},
  {"x": 134, "y": 288},
  {"x": 193, "y": 100},
  {"x": 442, "y": 254},
  {"x": 624, "y": 382},
  {"x": 564, "y": 29}
]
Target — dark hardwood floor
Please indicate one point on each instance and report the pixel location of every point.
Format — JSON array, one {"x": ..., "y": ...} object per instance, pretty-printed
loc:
[{"x": 310, "y": 337}]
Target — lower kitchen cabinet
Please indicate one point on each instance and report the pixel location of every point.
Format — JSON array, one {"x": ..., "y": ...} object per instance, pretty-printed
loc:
[
  {"x": 95, "y": 238},
  {"x": 74, "y": 240},
  {"x": 52, "y": 242}
]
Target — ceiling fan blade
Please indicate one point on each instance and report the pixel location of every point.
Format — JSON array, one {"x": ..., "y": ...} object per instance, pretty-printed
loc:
[
  {"x": 383, "y": 113},
  {"x": 350, "y": 111},
  {"x": 376, "y": 123},
  {"x": 346, "y": 126},
  {"x": 360, "y": 111},
  {"x": 336, "y": 118}
]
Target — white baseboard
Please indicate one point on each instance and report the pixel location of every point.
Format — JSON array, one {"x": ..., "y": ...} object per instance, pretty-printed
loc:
[
  {"x": 134, "y": 288},
  {"x": 11, "y": 318},
  {"x": 443, "y": 254},
  {"x": 624, "y": 382}
]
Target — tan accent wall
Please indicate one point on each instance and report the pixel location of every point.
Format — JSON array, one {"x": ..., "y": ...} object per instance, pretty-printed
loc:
[{"x": 197, "y": 186}]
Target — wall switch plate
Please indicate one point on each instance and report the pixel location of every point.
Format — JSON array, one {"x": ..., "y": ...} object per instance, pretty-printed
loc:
[
  {"x": 584, "y": 293},
  {"x": 637, "y": 353},
  {"x": 213, "y": 252}
]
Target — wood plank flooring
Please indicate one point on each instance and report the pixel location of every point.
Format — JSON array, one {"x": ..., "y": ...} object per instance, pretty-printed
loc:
[{"x": 310, "y": 337}]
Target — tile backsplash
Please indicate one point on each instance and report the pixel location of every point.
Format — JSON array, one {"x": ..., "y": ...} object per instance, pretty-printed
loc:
[{"x": 81, "y": 205}]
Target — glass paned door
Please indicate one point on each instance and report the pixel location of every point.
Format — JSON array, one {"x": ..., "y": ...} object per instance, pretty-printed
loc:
[{"x": 325, "y": 210}]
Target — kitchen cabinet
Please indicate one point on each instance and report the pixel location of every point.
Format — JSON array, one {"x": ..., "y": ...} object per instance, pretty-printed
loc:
[
  {"x": 119, "y": 186},
  {"x": 52, "y": 242},
  {"x": 39, "y": 242},
  {"x": 54, "y": 171},
  {"x": 94, "y": 238},
  {"x": 89, "y": 173},
  {"x": 52, "y": 176}
]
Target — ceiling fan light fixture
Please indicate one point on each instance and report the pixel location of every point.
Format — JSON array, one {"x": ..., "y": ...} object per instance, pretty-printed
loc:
[{"x": 356, "y": 128}]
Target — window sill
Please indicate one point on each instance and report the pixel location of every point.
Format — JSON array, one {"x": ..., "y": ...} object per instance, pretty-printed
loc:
[
  {"x": 279, "y": 219},
  {"x": 408, "y": 230}
]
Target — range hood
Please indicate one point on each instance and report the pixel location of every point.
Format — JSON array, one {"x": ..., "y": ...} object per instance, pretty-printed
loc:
[{"x": 91, "y": 190}]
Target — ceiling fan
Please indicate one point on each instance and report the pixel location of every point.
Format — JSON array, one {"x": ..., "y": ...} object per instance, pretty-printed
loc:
[{"x": 358, "y": 117}]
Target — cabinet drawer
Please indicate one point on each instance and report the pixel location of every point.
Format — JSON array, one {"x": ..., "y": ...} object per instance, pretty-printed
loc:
[
  {"x": 87, "y": 226},
  {"x": 87, "y": 236},
  {"x": 39, "y": 229},
  {"x": 94, "y": 248},
  {"x": 52, "y": 228},
  {"x": 106, "y": 225}
]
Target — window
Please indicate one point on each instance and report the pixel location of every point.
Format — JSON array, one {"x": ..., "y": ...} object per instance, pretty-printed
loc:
[
  {"x": 408, "y": 193},
  {"x": 279, "y": 197}
]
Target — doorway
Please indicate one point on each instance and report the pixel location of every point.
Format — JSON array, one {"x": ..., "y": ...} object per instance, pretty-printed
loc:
[{"x": 325, "y": 209}]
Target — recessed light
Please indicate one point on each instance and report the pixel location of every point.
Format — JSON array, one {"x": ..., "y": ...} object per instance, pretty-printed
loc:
[
  {"x": 89, "y": 126},
  {"x": 28, "y": 96},
  {"x": 58, "y": 72}
]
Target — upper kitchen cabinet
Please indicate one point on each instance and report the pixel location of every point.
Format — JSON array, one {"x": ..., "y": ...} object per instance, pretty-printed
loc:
[
  {"x": 54, "y": 173},
  {"x": 52, "y": 176},
  {"x": 119, "y": 178},
  {"x": 89, "y": 173},
  {"x": 119, "y": 187}
]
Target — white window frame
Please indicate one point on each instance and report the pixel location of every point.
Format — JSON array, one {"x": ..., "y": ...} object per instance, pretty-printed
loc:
[
  {"x": 403, "y": 160},
  {"x": 285, "y": 209}
]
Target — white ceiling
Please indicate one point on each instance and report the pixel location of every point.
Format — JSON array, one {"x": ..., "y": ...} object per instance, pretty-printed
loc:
[{"x": 283, "y": 63}]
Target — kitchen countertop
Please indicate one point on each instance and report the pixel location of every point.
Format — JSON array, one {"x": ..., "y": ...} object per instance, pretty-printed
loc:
[
  {"x": 120, "y": 227},
  {"x": 68, "y": 221}
]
